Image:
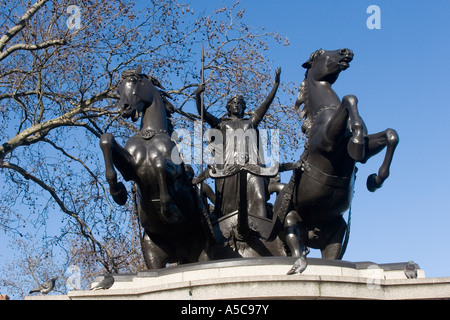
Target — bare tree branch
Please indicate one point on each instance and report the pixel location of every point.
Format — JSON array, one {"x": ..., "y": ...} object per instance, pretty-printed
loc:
[
  {"x": 31, "y": 47},
  {"x": 63, "y": 93},
  {"x": 21, "y": 24},
  {"x": 86, "y": 231}
]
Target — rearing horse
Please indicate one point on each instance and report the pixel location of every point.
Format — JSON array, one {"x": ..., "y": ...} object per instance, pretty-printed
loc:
[
  {"x": 336, "y": 138},
  {"x": 168, "y": 206}
]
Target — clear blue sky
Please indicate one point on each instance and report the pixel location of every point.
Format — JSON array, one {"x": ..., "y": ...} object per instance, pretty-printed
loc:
[{"x": 400, "y": 76}]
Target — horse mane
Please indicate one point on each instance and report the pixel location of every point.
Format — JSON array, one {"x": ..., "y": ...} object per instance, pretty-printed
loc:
[
  {"x": 307, "y": 65},
  {"x": 302, "y": 96},
  {"x": 302, "y": 99}
]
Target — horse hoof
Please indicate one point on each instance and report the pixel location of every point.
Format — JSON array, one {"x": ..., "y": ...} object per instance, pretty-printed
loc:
[
  {"x": 119, "y": 194},
  {"x": 372, "y": 184}
]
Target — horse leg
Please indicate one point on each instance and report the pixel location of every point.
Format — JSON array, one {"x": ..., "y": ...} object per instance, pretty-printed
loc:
[
  {"x": 207, "y": 253},
  {"x": 336, "y": 128},
  {"x": 376, "y": 142},
  {"x": 296, "y": 235},
  {"x": 154, "y": 256},
  {"x": 200, "y": 248},
  {"x": 335, "y": 233},
  {"x": 356, "y": 145},
  {"x": 169, "y": 211},
  {"x": 114, "y": 153}
]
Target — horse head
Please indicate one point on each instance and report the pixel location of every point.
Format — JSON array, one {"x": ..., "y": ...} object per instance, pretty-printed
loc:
[
  {"x": 137, "y": 91},
  {"x": 322, "y": 67},
  {"x": 325, "y": 65},
  {"x": 131, "y": 103}
]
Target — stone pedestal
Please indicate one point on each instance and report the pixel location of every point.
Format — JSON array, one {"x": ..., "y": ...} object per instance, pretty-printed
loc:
[{"x": 265, "y": 278}]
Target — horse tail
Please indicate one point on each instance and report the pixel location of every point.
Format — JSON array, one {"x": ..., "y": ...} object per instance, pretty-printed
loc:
[{"x": 347, "y": 235}]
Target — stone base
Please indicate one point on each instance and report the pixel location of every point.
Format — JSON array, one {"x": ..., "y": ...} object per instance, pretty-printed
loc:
[{"x": 265, "y": 278}]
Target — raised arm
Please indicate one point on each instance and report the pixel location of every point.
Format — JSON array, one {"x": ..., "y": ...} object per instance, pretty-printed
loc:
[
  {"x": 262, "y": 109},
  {"x": 209, "y": 118}
]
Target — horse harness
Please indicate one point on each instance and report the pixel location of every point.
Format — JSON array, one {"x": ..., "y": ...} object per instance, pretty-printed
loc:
[
  {"x": 147, "y": 134},
  {"x": 324, "y": 178}
]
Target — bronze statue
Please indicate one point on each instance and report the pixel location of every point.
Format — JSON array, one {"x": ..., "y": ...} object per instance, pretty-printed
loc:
[
  {"x": 227, "y": 190},
  {"x": 168, "y": 206},
  {"x": 322, "y": 184},
  {"x": 308, "y": 211},
  {"x": 241, "y": 179}
]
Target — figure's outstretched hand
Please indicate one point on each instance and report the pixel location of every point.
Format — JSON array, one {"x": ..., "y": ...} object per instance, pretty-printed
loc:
[
  {"x": 200, "y": 89},
  {"x": 277, "y": 75}
]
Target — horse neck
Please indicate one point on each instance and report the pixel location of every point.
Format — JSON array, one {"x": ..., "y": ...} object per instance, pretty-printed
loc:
[
  {"x": 320, "y": 95},
  {"x": 155, "y": 117}
]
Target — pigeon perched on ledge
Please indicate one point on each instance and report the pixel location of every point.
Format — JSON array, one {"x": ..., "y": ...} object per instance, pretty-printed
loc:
[
  {"x": 411, "y": 270},
  {"x": 106, "y": 283},
  {"x": 45, "y": 287}
]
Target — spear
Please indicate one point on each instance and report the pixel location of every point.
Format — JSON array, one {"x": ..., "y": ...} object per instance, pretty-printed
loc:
[
  {"x": 202, "y": 98},
  {"x": 202, "y": 105}
]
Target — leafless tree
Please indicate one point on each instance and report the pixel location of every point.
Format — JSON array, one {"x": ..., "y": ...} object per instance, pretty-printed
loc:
[{"x": 58, "y": 83}]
